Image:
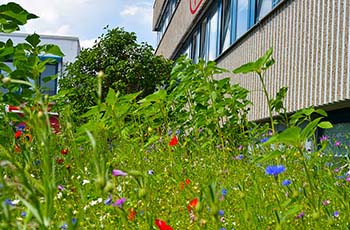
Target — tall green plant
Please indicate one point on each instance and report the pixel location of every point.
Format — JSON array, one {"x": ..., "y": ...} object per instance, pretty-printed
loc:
[{"x": 260, "y": 66}]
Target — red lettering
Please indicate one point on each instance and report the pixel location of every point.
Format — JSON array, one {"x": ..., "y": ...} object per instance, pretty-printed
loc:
[{"x": 194, "y": 5}]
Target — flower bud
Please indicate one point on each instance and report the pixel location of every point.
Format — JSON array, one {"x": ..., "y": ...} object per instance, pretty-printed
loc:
[{"x": 6, "y": 80}]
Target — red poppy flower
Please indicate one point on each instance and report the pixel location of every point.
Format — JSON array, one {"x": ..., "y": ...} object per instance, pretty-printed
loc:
[
  {"x": 193, "y": 203},
  {"x": 174, "y": 141},
  {"x": 132, "y": 214},
  {"x": 64, "y": 151},
  {"x": 162, "y": 225},
  {"x": 187, "y": 181},
  {"x": 18, "y": 134}
]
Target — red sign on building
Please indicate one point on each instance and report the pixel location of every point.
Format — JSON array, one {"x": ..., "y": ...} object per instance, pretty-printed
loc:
[{"x": 194, "y": 5}]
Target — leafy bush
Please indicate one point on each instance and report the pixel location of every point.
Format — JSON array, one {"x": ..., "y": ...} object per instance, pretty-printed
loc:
[{"x": 128, "y": 67}]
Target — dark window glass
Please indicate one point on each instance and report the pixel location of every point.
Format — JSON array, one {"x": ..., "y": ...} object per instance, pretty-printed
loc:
[
  {"x": 49, "y": 87},
  {"x": 196, "y": 46},
  {"x": 213, "y": 31},
  {"x": 264, "y": 7},
  {"x": 203, "y": 38},
  {"x": 226, "y": 25},
  {"x": 242, "y": 17}
]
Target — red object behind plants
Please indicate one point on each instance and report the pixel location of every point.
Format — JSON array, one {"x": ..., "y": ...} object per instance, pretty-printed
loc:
[
  {"x": 162, "y": 225},
  {"x": 192, "y": 205},
  {"x": 174, "y": 141},
  {"x": 64, "y": 151}
]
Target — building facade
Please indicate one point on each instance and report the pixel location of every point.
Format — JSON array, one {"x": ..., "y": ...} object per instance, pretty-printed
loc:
[
  {"x": 310, "y": 39},
  {"x": 70, "y": 46}
]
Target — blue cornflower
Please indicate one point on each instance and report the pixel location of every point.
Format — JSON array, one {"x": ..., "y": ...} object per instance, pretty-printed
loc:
[
  {"x": 275, "y": 170},
  {"x": 64, "y": 227},
  {"x": 108, "y": 201},
  {"x": 74, "y": 221},
  {"x": 8, "y": 201},
  {"x": 150, "y": 172},
  {"x": 264, "y": 139},
  {"x": 23, "y": 214},
  {"x": 336, "y": 214},
  {"x": 224, "y": 191},
  {"x": 286, "y": 182},
  {"x": 221, "y": 212}
]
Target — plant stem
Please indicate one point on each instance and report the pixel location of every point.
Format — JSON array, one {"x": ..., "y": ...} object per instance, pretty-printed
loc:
[{"x": 268, "y": 101}]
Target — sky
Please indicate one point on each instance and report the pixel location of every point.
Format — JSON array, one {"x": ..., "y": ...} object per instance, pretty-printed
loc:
[{"x": 87, "y": 18}]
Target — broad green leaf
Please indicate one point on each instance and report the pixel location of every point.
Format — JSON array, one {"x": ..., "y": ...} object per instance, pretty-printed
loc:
[
  {"x": 265, "y": 58},
  {"x": 321, "y": 112},
  {"x": 5, "y": 68},
  {"x": 262, "y": 63},
  {"x": 33, "y": 39},
  {"x": 158, "y": 96},
  {"x": 131, "y": 96},
  {"x": 290, "y": 136},
  {"x": 92, "y": 111},
  {"x": 269, "y": 156},
  {"x": 308, "y": 111},
  {"x": 247, "y": 68},
  {"x": 325, "y": 125},
  {"x": 54, "y": 49},
  {"x": 111, "y": 97},
  {"x": 49, "y": 78},
  {"x": 310, "y": 129}
]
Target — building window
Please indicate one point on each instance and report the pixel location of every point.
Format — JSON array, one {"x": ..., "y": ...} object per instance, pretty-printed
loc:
[
  {"x": 49, "y": 87},
  {"x": 223, "y": 23},
  {"x": 213, "y": 33},
  {"x": 226, "y": 21},
  {"x": 242, "y": 17},
  {"x": 165, "y": 18},
  {"x": 196, "y": 46},
  {"x": 187, "y": 50},
  {"x": 264, "y": 7}
]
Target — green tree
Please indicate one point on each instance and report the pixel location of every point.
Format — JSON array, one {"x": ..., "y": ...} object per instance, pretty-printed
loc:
[{"x": 128, "y": 67}]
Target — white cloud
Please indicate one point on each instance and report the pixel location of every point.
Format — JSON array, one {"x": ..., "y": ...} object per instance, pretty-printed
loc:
[
  {"x": 130, "y": 11},
  {"x": 135, "y": 13}
]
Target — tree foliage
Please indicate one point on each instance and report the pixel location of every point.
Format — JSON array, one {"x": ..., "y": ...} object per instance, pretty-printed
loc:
[{"x": 128, "y": 67}]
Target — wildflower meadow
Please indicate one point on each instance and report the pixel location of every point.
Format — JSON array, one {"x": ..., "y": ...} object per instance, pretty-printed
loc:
[{"x": 184, "y": 157}]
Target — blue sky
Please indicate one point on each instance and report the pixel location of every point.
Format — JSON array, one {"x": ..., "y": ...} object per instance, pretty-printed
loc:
[{"x": 87, "y": 18}]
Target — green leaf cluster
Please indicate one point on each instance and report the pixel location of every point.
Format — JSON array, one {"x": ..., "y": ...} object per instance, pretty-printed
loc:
[{"x": 12, "y": 16}]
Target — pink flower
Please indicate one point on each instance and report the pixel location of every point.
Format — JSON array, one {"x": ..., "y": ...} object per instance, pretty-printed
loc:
[
  {"x": 120, "y": 202},
  {"x": 326, "y": 202},
  {"x": 117, "y": 172}
]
